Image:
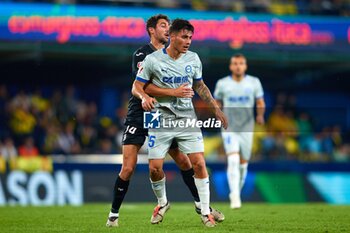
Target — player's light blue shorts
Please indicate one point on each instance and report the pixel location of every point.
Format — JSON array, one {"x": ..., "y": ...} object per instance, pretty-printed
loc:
[
  {"x": 189, "y": 139},
  {"x": 241, "y": 143}
]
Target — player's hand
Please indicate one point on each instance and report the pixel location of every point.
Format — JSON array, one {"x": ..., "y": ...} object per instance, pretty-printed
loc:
[
  {"x": 221, "y": 117},
  {"x": 184, "y": 91},
  {"x": 260, "y": 120},
  {"x": 148, "y": 103}
]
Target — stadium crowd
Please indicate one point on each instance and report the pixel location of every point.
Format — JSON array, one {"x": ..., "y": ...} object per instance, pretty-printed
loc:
[
  {"x": 278, "y": 7},
  {"x": 32, "y": 124}
]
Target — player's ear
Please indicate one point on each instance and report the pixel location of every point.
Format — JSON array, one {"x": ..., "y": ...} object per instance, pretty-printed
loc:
[{"x": 151, "y": 30}]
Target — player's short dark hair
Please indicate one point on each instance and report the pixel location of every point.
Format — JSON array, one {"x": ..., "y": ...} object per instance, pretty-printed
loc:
[
  {"x": 238, "y": 55},
  {"x": 152, "y": 22},
  {"x": 180, "y": 24}
]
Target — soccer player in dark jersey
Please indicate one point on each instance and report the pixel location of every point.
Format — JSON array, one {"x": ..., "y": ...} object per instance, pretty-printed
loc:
[{"x": 134, "y": 133}]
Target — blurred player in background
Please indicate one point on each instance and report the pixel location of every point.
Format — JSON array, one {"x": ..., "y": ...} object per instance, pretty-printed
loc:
[
  {"x": 135, "y": 135},
  {"x": 170, "y": 68},
  {"x": 239, "y": 92}
]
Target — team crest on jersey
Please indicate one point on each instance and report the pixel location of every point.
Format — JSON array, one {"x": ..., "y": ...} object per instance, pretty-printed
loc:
[{"x": 188, "y": 69}]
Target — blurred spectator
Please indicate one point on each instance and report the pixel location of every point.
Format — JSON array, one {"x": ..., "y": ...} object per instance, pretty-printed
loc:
[
  {"x": 324, "y": 7},
  {"x": 66, "y": 139},
  {"x": 88, "y": 139},
  {"x": 106, "y": 147},
  {"x": 327, "y": 142},
  {"x": 38, "y": 103},
  {"x": 275, "y": 121},
  {"x": 342, "y": 154},
  {"x": 8, "y": 149},
  {"x": 336, "y": 136},
  {"x": 283, "y": 7},
  {"x": 66, "y": 106},
  {"x": 22, "y": 121},
  {"x": 238, "y": 6},
  {"x": 304, "y": 124},
  {"x": 31, "y": 115},
  {"x": 257, "y": 6},
  {"x": 314, "y": 148},
  {"x": 21, "y": 100},
  {"x": 28, "y": 149},
  {"x": 199, "y": 5},
  {"x": 50, "y": 143},
  {"x": 4, "y": 99},
  {"x": 292, "y": 147},
  {"x": 168, "y": 3}
]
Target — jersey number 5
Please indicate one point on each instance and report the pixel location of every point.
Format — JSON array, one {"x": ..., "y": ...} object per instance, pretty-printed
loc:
[{"x": 151, "y": 141}]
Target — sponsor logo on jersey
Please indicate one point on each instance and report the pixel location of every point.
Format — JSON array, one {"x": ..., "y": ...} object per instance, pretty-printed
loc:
[
  {"x": 240, "y": 99},
  {"x": 184, "y": 79}
]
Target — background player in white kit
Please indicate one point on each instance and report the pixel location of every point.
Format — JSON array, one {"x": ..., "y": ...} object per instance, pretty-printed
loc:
[
  {"x": 239, "y": 93},
  {"x": 170, "y": 68}
]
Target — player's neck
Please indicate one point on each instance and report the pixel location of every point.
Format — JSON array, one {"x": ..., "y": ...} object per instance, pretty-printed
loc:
[
  {"x": 157, "y": 44},
  {"x": 237, "y": 78},
  {"x": 173, "y": 53}
]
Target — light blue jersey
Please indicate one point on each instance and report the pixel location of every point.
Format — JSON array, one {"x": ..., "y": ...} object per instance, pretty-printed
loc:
[
  {"x": 239, "y": 100},
  {"x": 165, "y": 72}
]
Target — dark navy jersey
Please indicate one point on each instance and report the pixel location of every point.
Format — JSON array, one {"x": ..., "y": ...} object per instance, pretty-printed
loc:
[{"x": 135, "y": 111}]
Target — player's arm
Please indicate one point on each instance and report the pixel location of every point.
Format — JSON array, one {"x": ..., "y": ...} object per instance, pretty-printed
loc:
[
  {"x": 260, "y": 111},
  {"x": 218, "y": 94},
  {"x": 142, "y": 75},
  {"x": 182, "y": 92},
  {"x": 205, "y": 94},
  {"x": 138, "y": 91},
  {"x": 260, "y": 103},
  {"x": 219, "y": 103}
]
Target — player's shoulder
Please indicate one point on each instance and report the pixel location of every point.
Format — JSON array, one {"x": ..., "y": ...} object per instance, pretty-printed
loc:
[
  {"x": 143, "y": 51},
  {"x": 251, "y": 78},
  {"x": 156, "y": 55},
  {"x": 192, "y": 55},
  {"x": 224, "y": 79}
]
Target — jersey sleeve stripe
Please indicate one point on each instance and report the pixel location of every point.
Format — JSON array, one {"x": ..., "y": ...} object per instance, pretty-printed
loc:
[
  {"x": 198, "y": 79},
  {"x": 259, "y": 97},
  {"x": 141, "y": 79}
]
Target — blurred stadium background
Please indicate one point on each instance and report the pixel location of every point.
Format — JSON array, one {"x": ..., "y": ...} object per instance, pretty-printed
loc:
[{"x": 65, "y": 78}]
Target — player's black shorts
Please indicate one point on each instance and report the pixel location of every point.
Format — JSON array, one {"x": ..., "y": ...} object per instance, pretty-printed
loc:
[
  {"x": 137, "y": 136},
  {"x": 134, "y": 136}
]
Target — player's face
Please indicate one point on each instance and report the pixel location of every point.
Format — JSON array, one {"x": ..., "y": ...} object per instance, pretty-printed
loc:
[
  {"x": 161, "y": 32},
  {"x": 238, "y": 66},
  {"x": 182, "y": 40}
]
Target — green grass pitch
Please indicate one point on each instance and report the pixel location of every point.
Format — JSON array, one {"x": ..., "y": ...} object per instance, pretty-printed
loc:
[{"x": 134, "y": 217}]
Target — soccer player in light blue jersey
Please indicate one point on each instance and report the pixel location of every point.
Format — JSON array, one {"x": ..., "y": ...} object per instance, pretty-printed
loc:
[
  {"x": 170, "y": 68},
  {"x": 239, "y": 93}
]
